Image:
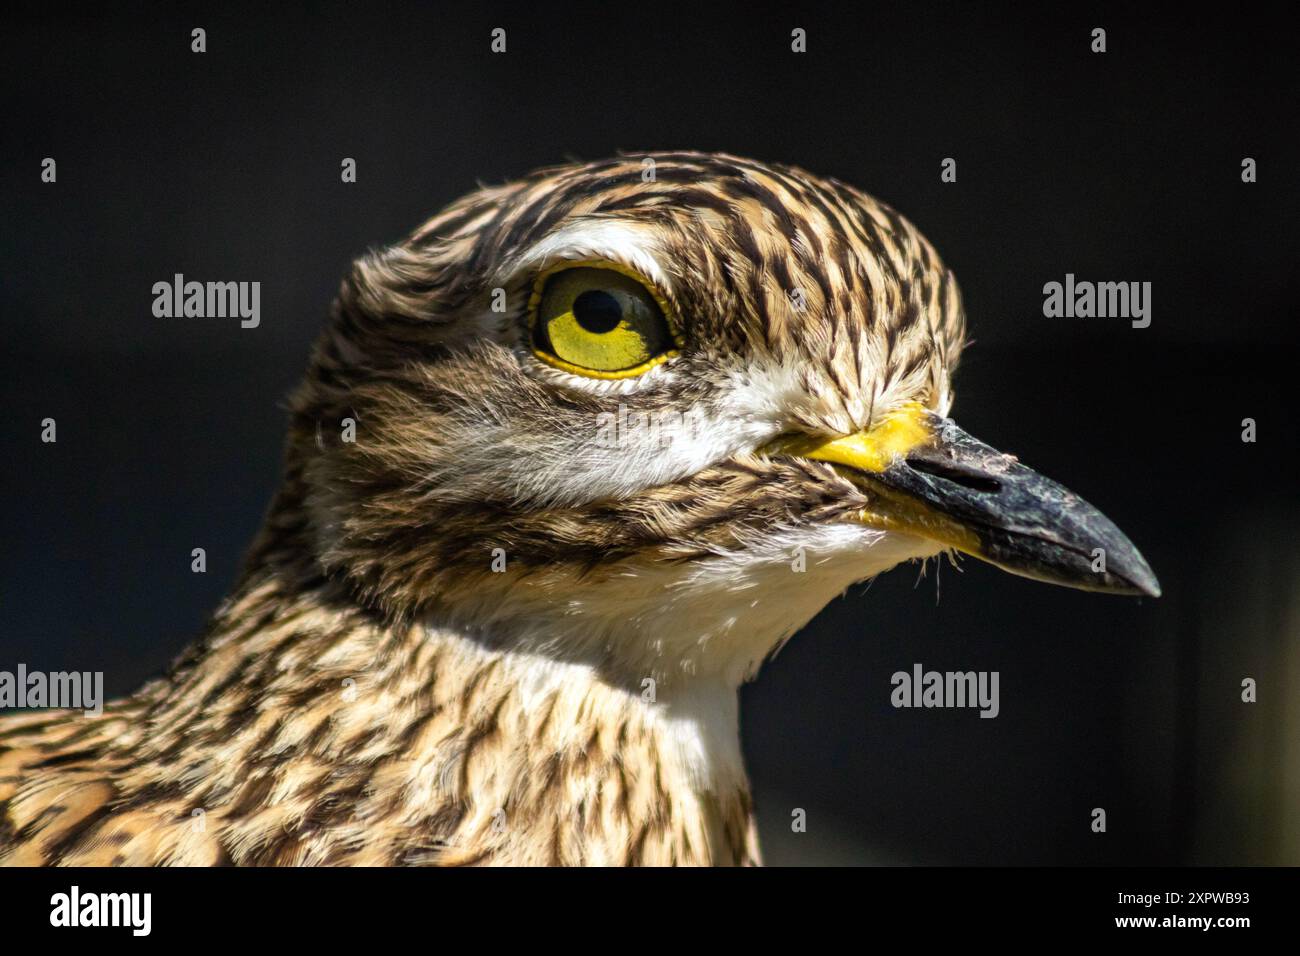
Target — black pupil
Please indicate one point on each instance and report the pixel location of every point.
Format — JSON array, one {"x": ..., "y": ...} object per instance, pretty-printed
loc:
[{"x": 597, "y": 311}]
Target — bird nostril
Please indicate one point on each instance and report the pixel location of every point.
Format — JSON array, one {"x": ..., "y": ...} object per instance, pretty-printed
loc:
[{"x": 957, "y": 475}]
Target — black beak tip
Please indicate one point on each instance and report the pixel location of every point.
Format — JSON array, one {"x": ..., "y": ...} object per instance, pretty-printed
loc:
[
  {"x": 1138, "y": 578},
  {"x": 1125, "y": 571}
]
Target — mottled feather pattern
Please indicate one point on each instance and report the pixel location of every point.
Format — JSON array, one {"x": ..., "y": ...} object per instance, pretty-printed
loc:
[{"x": 374, "y": 692}]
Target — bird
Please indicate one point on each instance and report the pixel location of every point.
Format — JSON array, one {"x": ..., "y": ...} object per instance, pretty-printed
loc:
[{"x": 568, "y": 464}]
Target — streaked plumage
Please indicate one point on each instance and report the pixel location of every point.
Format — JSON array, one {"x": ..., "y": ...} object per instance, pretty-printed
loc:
[{"x": 374, "y": 692}]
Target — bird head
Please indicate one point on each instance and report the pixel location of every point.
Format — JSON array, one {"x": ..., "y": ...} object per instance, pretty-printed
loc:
[{"x": 653, "y": 413}]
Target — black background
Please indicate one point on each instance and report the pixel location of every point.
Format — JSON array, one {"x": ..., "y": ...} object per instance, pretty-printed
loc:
[{"x": 1123, "y": 166}]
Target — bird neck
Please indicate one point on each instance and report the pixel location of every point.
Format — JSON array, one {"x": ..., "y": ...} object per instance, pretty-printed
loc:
[{"x": 438, "y": 745}]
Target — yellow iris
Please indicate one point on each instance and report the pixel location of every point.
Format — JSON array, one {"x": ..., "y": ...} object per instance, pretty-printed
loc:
[{"x": 599, "y": 322}]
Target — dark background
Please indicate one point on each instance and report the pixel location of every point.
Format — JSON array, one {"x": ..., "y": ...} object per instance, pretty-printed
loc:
[{"x": 1123, "y": 166}]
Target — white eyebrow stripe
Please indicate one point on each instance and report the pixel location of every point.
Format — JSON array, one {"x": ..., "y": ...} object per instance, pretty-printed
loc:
[{"x": 620, "y": 242}]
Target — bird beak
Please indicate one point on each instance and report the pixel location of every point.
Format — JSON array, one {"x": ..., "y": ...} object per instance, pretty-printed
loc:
[{"x": 927, "y": 477}]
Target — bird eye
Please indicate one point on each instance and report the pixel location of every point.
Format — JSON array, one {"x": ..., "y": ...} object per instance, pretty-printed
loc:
[{"x": 599, "y": 322}]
